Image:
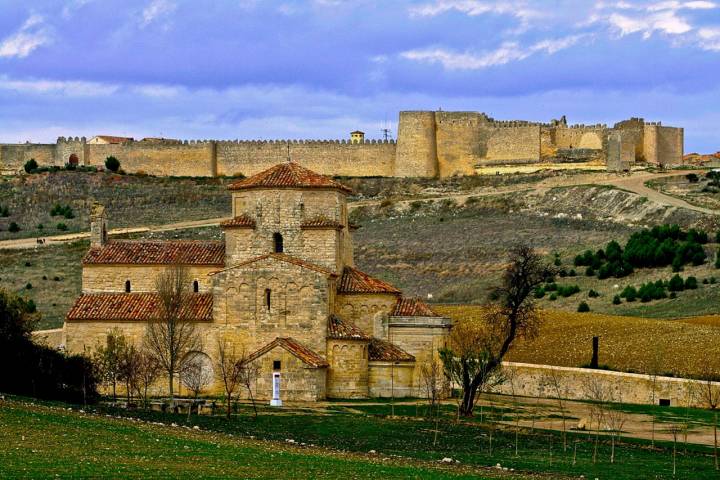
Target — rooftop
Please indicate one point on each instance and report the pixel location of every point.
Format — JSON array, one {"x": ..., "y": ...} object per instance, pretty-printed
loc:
[
  {"x": 355, "y": 281},
  {"x": 288, "y": 175},
  {"x": 243, "y": 221},
  {"x": 412, "y": 307},
  {"x": 134, "y": 307},
  {"x": 339, "y": 329},
  {"x": 381, "y": 350},
  {"x": 158, "y": 252},
  {"x": 296, "y": 348}
]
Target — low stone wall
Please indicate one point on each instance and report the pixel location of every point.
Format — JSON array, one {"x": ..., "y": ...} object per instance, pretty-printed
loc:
[{"x": 524, "y": 379}]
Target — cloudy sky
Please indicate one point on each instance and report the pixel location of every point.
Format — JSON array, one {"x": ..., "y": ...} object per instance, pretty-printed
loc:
[{"x": 321, "y": 68}]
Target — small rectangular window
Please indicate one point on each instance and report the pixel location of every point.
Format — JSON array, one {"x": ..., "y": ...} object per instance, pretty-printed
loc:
[
  {"x": 664, "y": 402},
  {"x": 276, "y": 364}
]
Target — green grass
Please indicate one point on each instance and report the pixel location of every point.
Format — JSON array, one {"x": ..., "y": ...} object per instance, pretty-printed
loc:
[
  {"x": 43, "y": 442},
  {"x": 345, "y": 429}
]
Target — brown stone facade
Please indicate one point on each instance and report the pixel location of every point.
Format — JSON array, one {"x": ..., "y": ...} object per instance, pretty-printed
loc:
[{"x": 281, "y": 286}]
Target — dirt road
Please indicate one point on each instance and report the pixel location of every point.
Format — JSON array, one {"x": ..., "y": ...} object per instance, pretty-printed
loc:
[{"x": 634, "y": 182}]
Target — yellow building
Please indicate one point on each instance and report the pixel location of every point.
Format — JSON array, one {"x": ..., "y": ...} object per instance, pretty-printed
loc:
[{"x": 282, "y": 284}]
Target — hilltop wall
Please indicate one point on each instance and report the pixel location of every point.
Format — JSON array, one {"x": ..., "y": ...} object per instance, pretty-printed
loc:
[
  {"x": 430, "y": 144},
  {"x": 332, "y": 157}
]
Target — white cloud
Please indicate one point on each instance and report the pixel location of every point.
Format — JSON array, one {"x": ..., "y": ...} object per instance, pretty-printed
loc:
[
  {"x": 506, "y": 53},
  {"x": 157, "y": 10},
  {"x": 709, "y": 38},
  {"x": 57, "y": 87},
  {"x": 475, "y": 8},
  {"x": 666, "y": 22},
  {"x": 31, "y": 35}
]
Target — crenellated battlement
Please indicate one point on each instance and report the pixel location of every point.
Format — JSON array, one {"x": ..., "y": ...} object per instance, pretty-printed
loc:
[{"x": 429, "y": 143}]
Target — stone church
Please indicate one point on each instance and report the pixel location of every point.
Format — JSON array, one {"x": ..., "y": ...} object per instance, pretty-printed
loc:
[{"x": 282, "y": 285}]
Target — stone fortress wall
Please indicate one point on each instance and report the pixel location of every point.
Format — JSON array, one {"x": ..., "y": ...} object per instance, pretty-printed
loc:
[{"x": 429, "y": 144}]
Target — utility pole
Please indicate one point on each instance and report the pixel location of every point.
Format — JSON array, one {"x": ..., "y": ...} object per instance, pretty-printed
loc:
[{"x": 386, "y": 133}]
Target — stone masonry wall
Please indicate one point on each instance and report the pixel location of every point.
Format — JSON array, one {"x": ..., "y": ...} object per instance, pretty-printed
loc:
[
  {"x": 348, "y": 373},
  {"x": 391, "y": 380},
  {"x": 532, "y": 380},
  {"x": 367, "y": 311},
  {"x": 193, "y": 159},
  {"x": 13, "y": 157},
  {"x": 111, "y": 278},
  {"x": 513, "y": 144},
  {"x": 670, "y": 145}
]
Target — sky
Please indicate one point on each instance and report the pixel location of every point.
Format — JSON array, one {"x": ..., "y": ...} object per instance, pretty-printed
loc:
[{"x": 318, "y": 69}]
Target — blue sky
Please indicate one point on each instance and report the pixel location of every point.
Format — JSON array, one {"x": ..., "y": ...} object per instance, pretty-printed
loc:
[{"x": 321, "y": 68}]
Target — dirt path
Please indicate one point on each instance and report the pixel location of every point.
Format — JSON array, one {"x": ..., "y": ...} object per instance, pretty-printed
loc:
[{"x": 634, "y": 182}]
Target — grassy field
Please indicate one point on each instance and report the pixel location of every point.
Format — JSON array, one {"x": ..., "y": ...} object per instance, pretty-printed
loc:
[
  {"x": 339, "y": 439},
  {"x": 682, "y": 347},
  {"x": 42, "y": 442}
]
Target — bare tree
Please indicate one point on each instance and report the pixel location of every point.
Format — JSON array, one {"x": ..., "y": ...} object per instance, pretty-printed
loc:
[
  {"x": 654, "y": 369},
  {"x": 129, "y": 369},
  {"x": 615, "y": 419},
  {"x": 196, "y": 375},
  {"x": 108, "y": 358},
  {"x": 675, "y": 430},
  {"x": 432, "y": 380},
  {"x": 553, "y": 380},
  {"x": 596, "y": 391},
  {"x": 229, "y": 364},
  {"x": 249, "y": 371},
  {"x": 707, "y": 391},
  {"x": 172, "y": 335},
  {"x": 148, "y": 371},
  {"x": 477, "y": 350}
]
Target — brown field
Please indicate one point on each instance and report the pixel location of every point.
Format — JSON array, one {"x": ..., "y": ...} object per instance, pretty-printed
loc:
[{"x": 682, "y": 346}]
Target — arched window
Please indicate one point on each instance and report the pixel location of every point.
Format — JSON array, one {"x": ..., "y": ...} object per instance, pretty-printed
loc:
[
  {"x": 196, "y": 287},
  {"x": 127, "y": 286},
  {"x": 278, "y": 242},
  {"x": 267, "y": 298}
]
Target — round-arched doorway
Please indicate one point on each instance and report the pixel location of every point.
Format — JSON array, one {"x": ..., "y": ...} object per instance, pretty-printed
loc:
[{"x": 73, "y": 159}]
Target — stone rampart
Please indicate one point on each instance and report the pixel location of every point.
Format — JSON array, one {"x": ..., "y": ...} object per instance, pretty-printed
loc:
[{"x": 531, "y": 380}]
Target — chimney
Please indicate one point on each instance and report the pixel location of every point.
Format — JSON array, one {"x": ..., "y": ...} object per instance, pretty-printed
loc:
[{"x": 98, "y": 225}]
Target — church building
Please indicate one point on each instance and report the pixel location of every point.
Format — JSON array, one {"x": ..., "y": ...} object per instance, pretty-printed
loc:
[{"x": 282, "y": 285}]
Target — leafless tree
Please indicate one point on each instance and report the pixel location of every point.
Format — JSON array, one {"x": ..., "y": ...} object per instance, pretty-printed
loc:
[
  {"x": 553, "y": 380},
  {"x": 108, "y": 358},
  {"x": 172, "y": 335},
  {"x": 432, "y": 380},
  {"x": 129, "y": 369},
  {"x": 196, "y": 375},
  {"x": 148, "y": 371},
  {"x": 654, "y": 369},
  {"x": 615, "y": 419},
  {"x": 707, "y": 391},
  {"x": 229, "y": 364},
  {"x": 477, "y": 348},
  {"x": 249, "y": 371},
  {"x": 597, "y": 392},
  {"x": 675, "y": 431}
]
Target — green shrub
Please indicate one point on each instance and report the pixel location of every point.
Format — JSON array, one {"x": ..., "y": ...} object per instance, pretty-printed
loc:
[
  {"x": 4, "y": 211},
  {"x": 712, "y": 280},
  {"x": 553, "y": 297},
  {"x": 13, "y": 227},
  {"x": 692, "y": 177},
  {"x": 589, "y": 272},
  {"x": 40, "y": 226},
  {"x": 557, "y": 262},
  {"x": 539, "y": 292},
  {"x": 31, "y": 166},
  {"x": 572, "y": 273},
  {"x": 616, "y": 300},
  {"x": 583, "y": 307},
  {"x": 567, "y": 290},
  {"x": 652, "y": 291},
  {"x": 28, "y": 286},
  {"x": 551, "y": 287},
  {"x": 629, "y": 293},
  {"x": 30, "y": 306},
  {"x": 593, "y": 294},
  {"x": 61, "y": 226},
  {"x": 676, "y": 284},
  {"x": 691, "y": 283},
  {"x": 673, "y": 295},
  {"x": 62, "y": 210},
  {"x": 112, "y": 164}
]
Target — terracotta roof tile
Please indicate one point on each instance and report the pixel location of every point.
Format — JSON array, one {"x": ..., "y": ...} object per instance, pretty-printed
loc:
[
  {"x": 283, "y": 258},
  {"x": 243, "y": 221},
  {"x": 321, "y": 223},
  {"x": 412, "y": 307},
  {"x": 134, "y": 307},
  {"x": 158, "y": 252},
  {"x": 296, "y": 348},
  {"x": 355, "y": 281},
  {"x": 381, "y": 350},
  {"x": 339, "y": 329},
  {"x": 288, "y": 175}
]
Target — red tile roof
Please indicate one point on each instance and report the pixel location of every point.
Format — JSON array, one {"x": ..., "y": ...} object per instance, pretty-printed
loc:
[
  {"x": 288, "y": 175},
  {"x": 296, "y": 348},
  {"x": 412, "y": 307},
  {"x": 355, "y": 281},
  {"x": 134, "y": 307},
  {"x": 283, "y": 258},
  {"x": 243, "y": 221},
  {"x": 158, "y": 252},
  {"x": 321, "y": 223},
  {"x": 381, "y": 350},
  {"x": 338, "y": 329}
]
